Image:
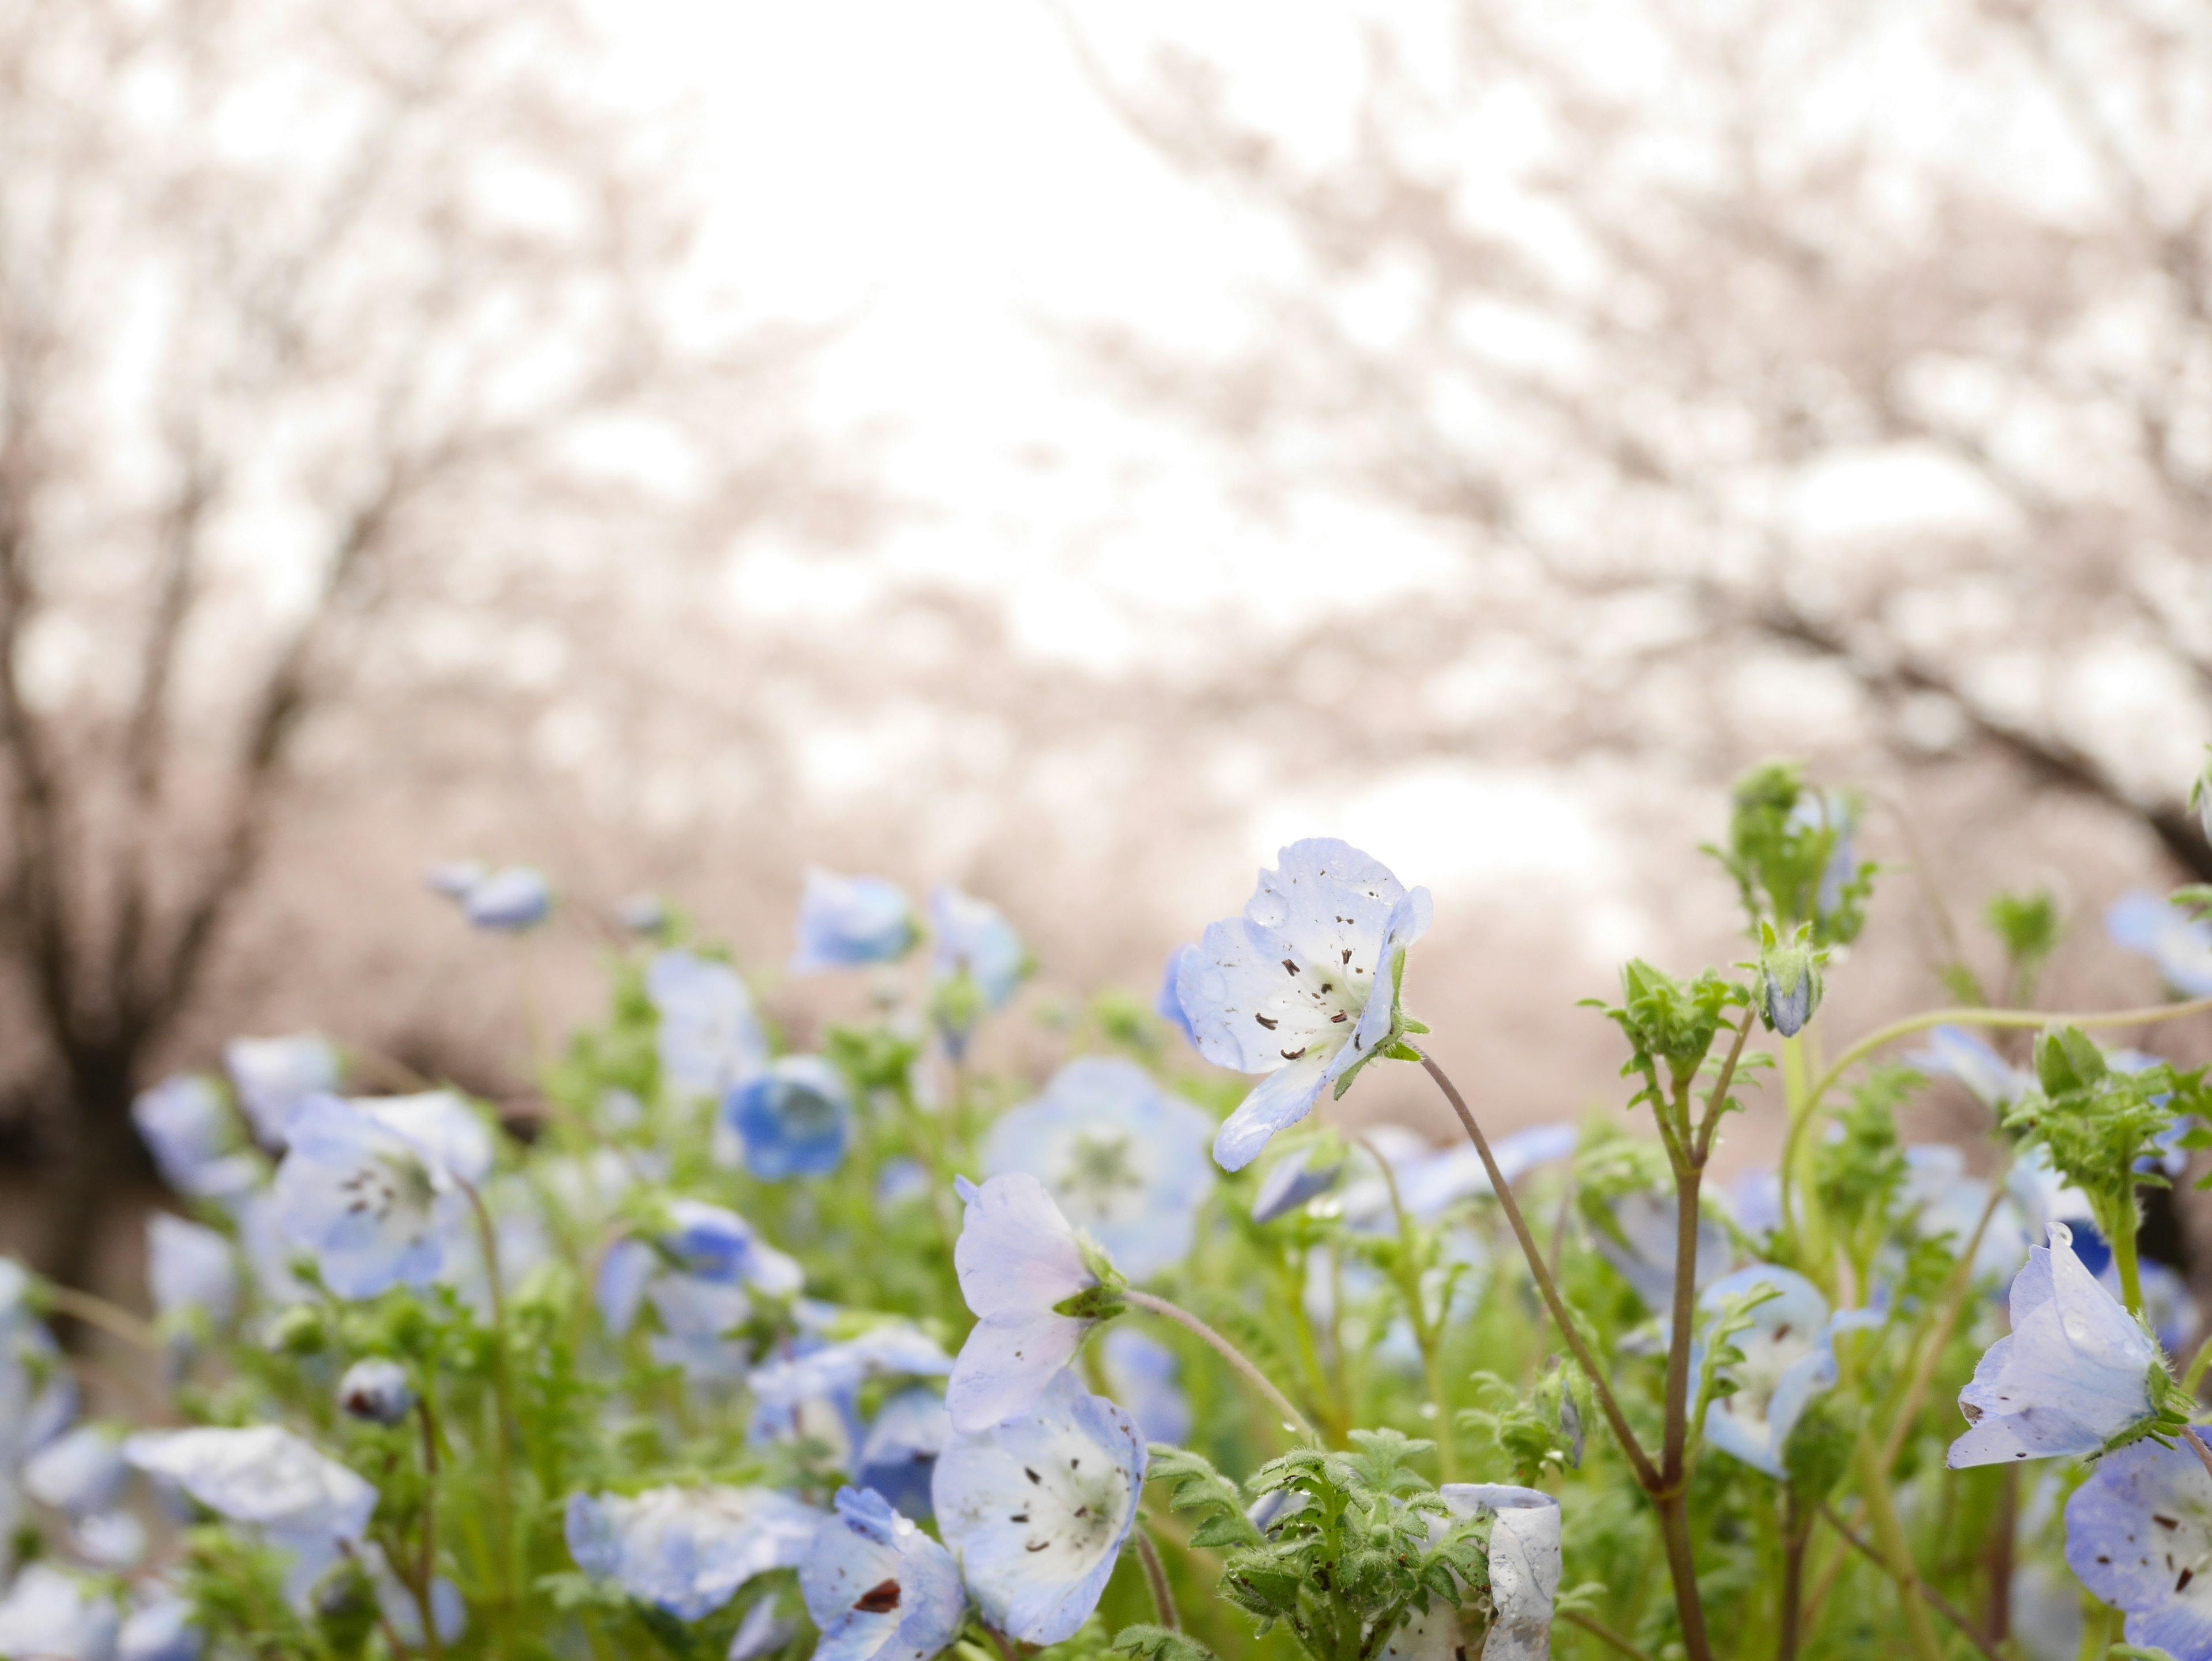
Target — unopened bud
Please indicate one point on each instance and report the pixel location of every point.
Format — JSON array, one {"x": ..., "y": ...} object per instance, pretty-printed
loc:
[
  {"x": 376, "y": 1390},
  {"x": 1788, "y": 979}
]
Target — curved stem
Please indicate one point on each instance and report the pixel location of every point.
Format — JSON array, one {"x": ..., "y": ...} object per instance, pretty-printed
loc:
[
  {"x": 1156, "y": 1577},
  {"x": 1293, "y": 1419},
  {"x": 110, "y": 1318},
  {"x": 1943, "y": 1605},
  {"x": 503, "y": 1395},
  {"x": 1603, "y": 1634},
  {"x": 1647, "y": 1474},
  {"x": 2006, "y": 1017}
]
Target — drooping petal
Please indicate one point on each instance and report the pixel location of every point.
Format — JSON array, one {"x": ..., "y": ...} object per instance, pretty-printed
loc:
[{"x": 1279, "y": 1100}]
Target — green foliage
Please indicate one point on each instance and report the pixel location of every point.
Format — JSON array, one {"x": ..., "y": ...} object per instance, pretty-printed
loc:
[
  {"x": 1670, "y": 1023},
  {"x": 1788, "y": 844},
  {"x": 2098, "y": 1121},
  {"x": 2027, "y": 925},
  {"x": 1148, "y": 1643}
]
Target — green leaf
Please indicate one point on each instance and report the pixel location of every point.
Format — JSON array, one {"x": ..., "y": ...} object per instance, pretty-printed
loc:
[{"x": 1153, "y": 1643}]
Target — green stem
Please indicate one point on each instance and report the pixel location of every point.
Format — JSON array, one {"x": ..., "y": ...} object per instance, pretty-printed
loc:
[
  {"x": 1896, "y": 1554},
  {"x": 2124, "y": 1258},
  {"x": 1293, "y": 1421},
  {"x": 110, "y": 1318},
  {"x": 428, "y": 1576},
  {"x": 1427, "y": 1338},
  {"x": 1156, "y": 1577},
  {"x": 2194, "y": 1375},
  {"x": 502, "y": 1400}
]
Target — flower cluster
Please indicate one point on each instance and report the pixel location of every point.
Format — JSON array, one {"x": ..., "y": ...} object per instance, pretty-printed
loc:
[{"x": 752, "y": 1334}]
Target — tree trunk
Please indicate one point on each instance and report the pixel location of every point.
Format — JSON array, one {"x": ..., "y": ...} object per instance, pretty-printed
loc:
[{"x": 98, "y": 1156}]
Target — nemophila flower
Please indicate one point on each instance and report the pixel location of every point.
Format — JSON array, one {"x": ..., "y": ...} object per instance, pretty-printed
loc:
[
  {"x": 2180, "y": 945},
  {"x": 899, "y": 1453},
  {"x": 376, "y": 1390},
  {"x": 2139, "y": 1535},
  {"x": 510, "y": 901},
  {"x": 311, "y": 1509},
  {"x": 793, "y": 1120},
  {"x": 644, "y": 914},
  {"x": 709, "y": 1040},
  {"x": 190, "y": 1267},
  {"x": 160, "y": 1629},
  {"x": 1140, "y": 1374},
  {"x": 1435, "y": 1181},
  {"x": 1303, "y": 986},
  {"x": 80, "y": 1472},
  {"x": 195, "y": 1140},
  {"x": 1122, "y": 1159},
  {"x": 848, "y": 923},
  {"x": 374, "y": 1187},
  {"x": 1951, "y": 1052},
  {"x": 1038, "y": 1509},
  {"x": 688, "y": 1549},
  {"x": 976, "y": 960},
  {"x": 1294, "y": 1180},
  {"x": 700, "y": 1278},
  {"x": 1525, "y": 1563},
  {"x": 1787, "y": 1360},
  {"x": 38, "y": 1395},
  {"x": 888, "y": 1351},
  {"x": 273, "y": 1076},
  {"x": 2076, "y": 1373},
  {"x": 50, "y": 1615},
  {"x": 1167, "y": 1003},
  {"x": 1020, "y": 1265},
  {"x": 877, "y": 1586},
  {"x": 109, "y": 1539},
  {"x": 767, "y": 1627},
  {"x": 1944, "y": 1203},
  {"x": 268, "y": 1250},
  {"x": 1788, "y": 991},
  {"x": 1643, "y": 1248}
]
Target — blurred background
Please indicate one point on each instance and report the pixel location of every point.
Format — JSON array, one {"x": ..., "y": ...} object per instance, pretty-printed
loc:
[{"x": 1067, "y": 450}]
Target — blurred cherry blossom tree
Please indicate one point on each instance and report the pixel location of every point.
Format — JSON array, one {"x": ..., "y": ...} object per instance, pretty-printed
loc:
[{"x": 316, "y": 321}]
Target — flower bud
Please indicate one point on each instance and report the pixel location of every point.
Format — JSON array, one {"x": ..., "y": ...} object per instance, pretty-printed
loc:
[
  {"x": 376, "y": 1390},
  {"x": 1788, "y": 979}
]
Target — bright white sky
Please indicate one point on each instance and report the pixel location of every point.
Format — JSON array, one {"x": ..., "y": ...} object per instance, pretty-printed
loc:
[{"x": 945, "y": 174}]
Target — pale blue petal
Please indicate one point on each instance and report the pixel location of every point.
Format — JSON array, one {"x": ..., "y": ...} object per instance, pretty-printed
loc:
[
  {"x": 1280, "y": 1101},
  {"x": 845, "y": 923},
  {"x": 2139, "y": 1534}
]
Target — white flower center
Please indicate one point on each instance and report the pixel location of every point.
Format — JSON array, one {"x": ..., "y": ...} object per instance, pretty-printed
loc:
[
  {"x": 1101, "y": 1177},
  {"x": 1073, "y": 1515}
]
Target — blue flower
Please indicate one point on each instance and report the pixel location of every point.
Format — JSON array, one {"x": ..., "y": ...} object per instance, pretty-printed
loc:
[
  {"x": 976, "y": 960},
  {"x": 688, "y": 1549},
  {"x": 1018, "y": 1260},
  {"x": 699, "y": 1277},
  {"x": 49, "y": 1615},
  {"x": 1643, "y": 1249},
  {"x": 2074, "y": 1372},
  {"x": 1291, "y": 1182},
  {"x": 1954, "y": 1053},
  {"x": 1303, "y": 986},
  {"x": 38, "y": 1395},
  {"x": 81, "y": 1472},
  {"x": 273, "y": 1076},
  {"x": 161, "y": 1630},
  {"x": 374, "y": 1187},
  {"x": 1818, "y": 810},
  {"x": 189, "y": 1267},
  {"x": 376, "y": 1390},
  {"x": 1788, "y": 1359},
  {"x": 1140, "y": 1374},
  {"x": 1168, "y": 1002},
  {"x": 845, "y": 923},
  {"x": 195, "y": 1140},
  {"x": 311, "y": 1509},
  {"x": 709, "y": 1040},
  {"x": 644, "y": 914},
  {"x": 1122, "y": 1159},
  {"x": 888, "y": 1351},
  {"x": 1525, "y": 1563},
  {"x": 877, "y": 1586},
  {"x": 2180, "y": 945},
  {"x": 793, "y": 1119},
  {"x": 2139, "y": 1534},
  {"x": 898, "y": 1455},
  {"x": 508, "y": 901},
  {"x": 1038, "y": 1509}
]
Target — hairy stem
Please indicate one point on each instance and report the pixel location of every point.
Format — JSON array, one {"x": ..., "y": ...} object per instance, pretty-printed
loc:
[
  {"x": 1156, "y": 1577},
  {"x": 1681, "y": 1565},
  {"x": 1293, "y": 1419},
  {"x": 1647, "y": 1474},
  {"x": 1674, "y": 1446}
]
